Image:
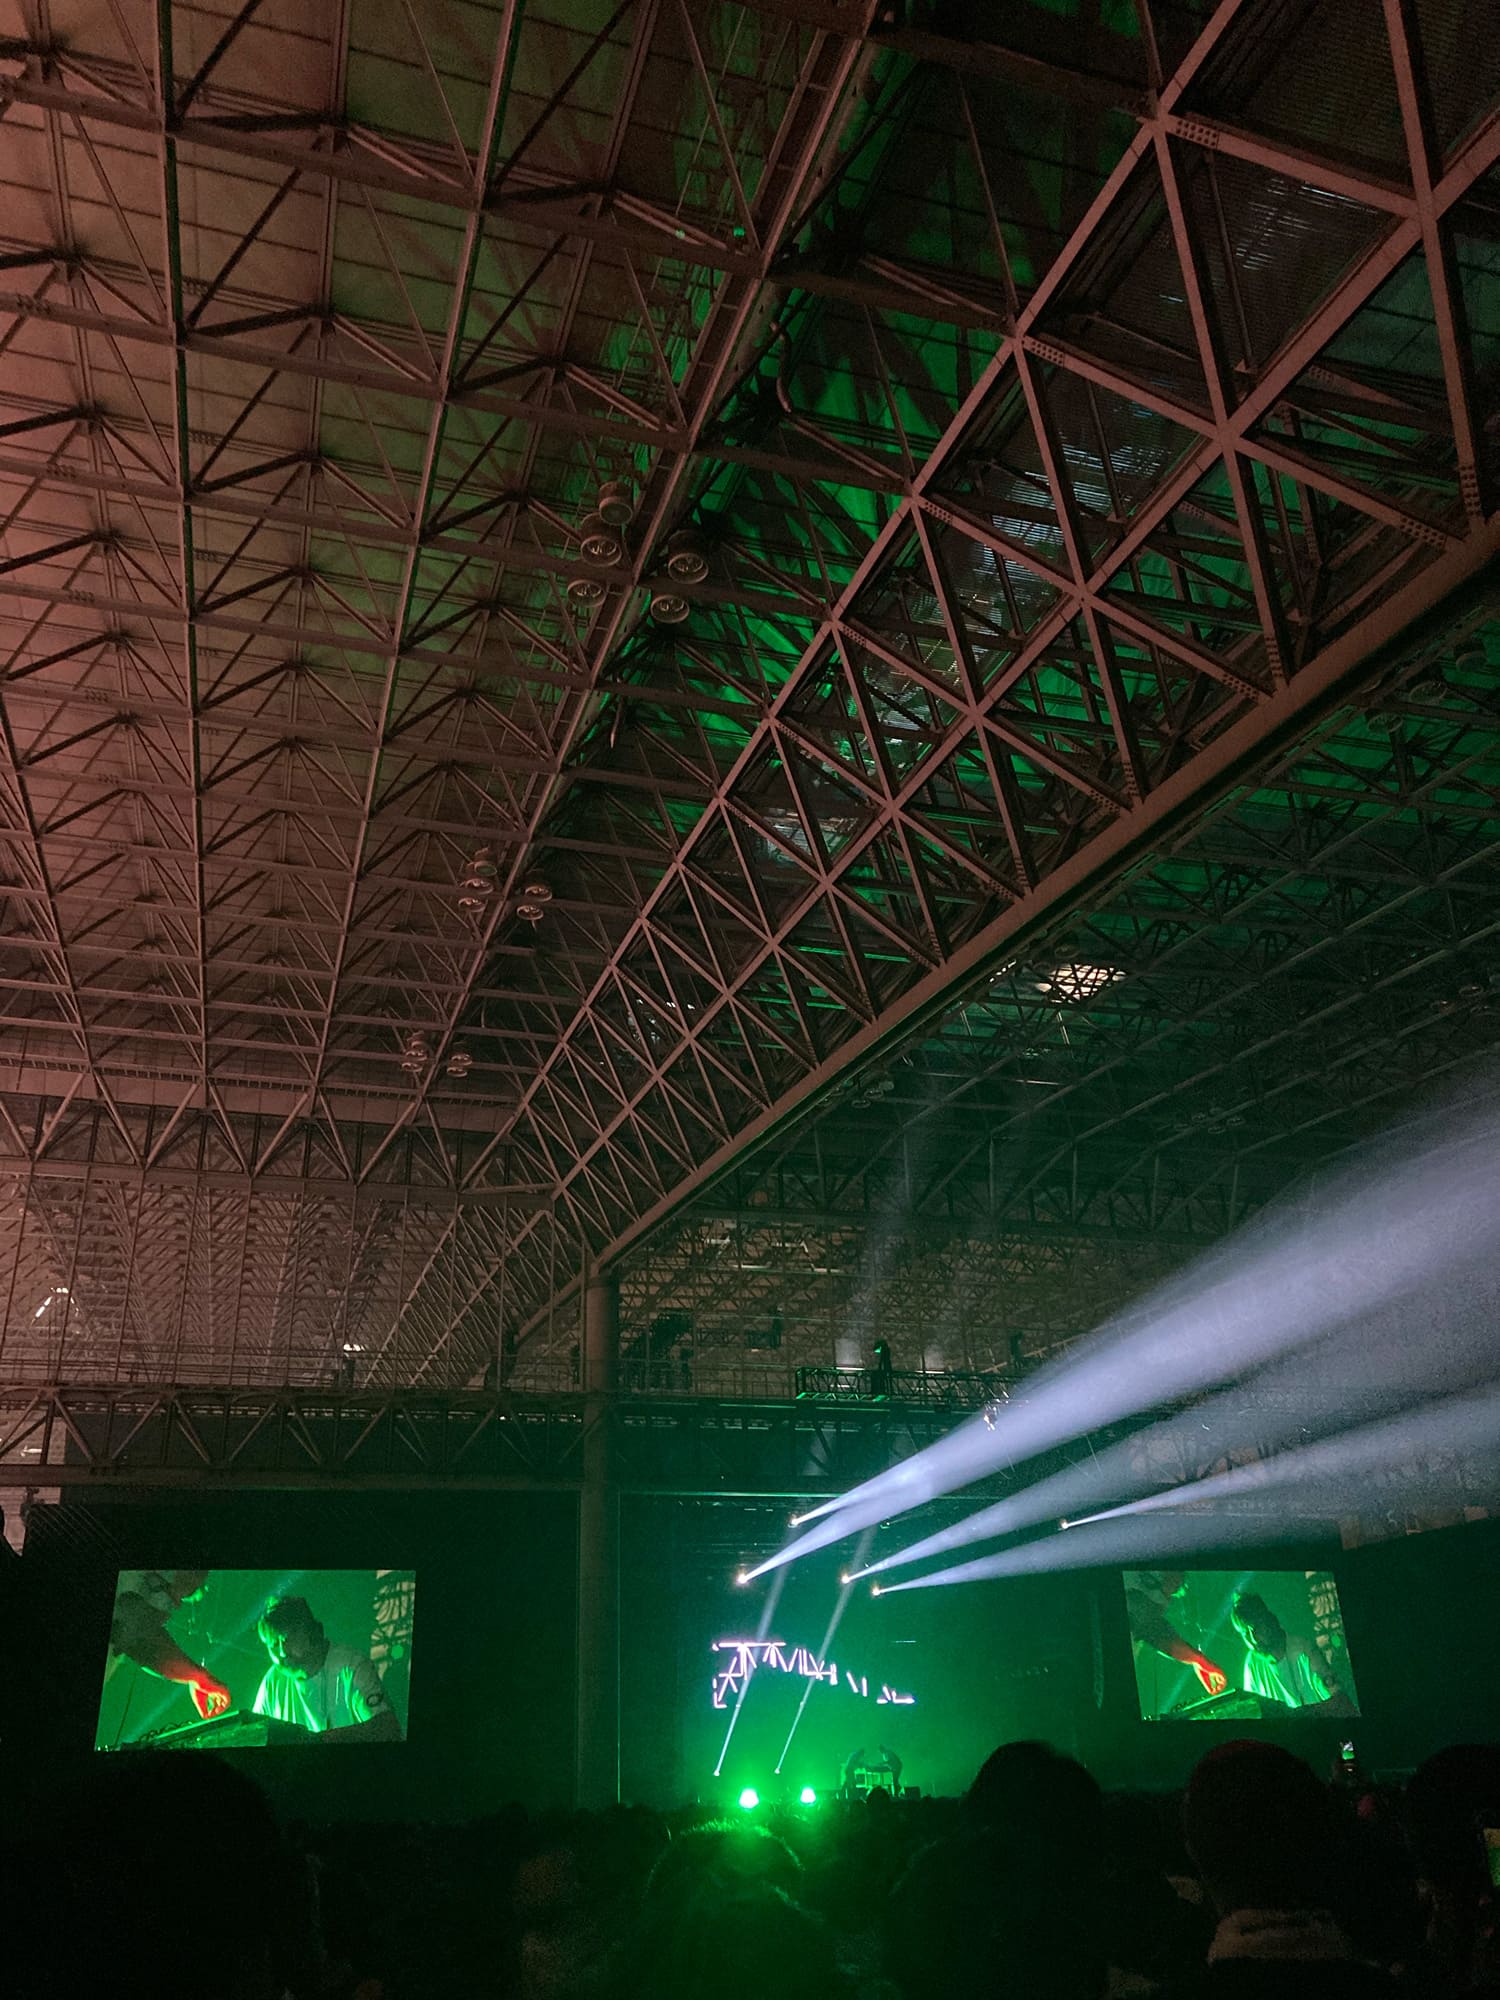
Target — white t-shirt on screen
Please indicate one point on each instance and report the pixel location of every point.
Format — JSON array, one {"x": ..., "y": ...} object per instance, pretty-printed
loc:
[
  {"x": 1293, "y": 1680},
  {"x": 346, "y": 1689}
]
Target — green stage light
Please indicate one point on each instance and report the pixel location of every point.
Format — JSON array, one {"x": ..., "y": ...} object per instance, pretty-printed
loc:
[
  {"x": 749, "y": 1798},
  {"x": 809, "y": 1796}
]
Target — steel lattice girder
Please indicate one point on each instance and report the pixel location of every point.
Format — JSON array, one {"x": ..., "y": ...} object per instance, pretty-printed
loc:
[
  {"x": 154, "y": 1436},
  {"x": 52, "y": 1438},
  {"x": 1141, "y": 1079},
  {"x": 914, "y": 845},
  {"x": 1024, "y": 493}
]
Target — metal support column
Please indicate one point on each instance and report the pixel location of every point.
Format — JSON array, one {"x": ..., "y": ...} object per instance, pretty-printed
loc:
[{"x": 597, "y": 1754}]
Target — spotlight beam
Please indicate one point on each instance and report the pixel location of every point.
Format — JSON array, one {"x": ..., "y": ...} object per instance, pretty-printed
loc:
[
  {"x": 1354, "y": 1379},
  {"x": 1375, "y": 1237},
  {"x": 1114, "y": 1544},
  {"x": 846, "y": 1587},
  {"x": 1328, "y": 1477},
  {"x": 1456, "y": 1425},
  {"x": 768, "y": 1612},
  {"x": 1077, "y": 1486}
]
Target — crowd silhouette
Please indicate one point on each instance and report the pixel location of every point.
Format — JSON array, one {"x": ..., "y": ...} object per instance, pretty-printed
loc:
[{"x": 171, "y": 1877}]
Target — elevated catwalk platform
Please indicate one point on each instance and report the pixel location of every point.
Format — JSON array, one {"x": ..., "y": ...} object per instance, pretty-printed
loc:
[{"x": 682, "y": 1443}]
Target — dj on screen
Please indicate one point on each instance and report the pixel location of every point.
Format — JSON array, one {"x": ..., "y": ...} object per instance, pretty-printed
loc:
[
  {"x": 1147, "y": 1603},
  {"x": 146, "y": 1602},
  {"x": 331, "y": 1691},
  {"x": 1281, "y": 1666}
]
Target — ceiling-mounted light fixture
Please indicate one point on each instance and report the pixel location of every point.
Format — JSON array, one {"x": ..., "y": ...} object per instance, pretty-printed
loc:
[
  {"x": 1077, "y": 981},
  {"x": 414, "y": 1052},
  {"x": 1469, "y": 655},
  {"x": 600, "y": 541},
  {"x": 586, "y": 591},
  {"x": 617, "y": 502},
  {"x": 534, "y": 900},
  {"x": 478, "y": 883},
  {"x": 687, "y": 556},
  {"x": 460, "y": 1062},
  {"x": 667, "y": 608},
  {"x": 1425, "y": 680}
]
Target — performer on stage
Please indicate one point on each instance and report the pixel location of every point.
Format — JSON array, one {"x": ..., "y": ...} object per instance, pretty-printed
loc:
[
  {"x": 146, "y": 1602},
  {"x": 1280, "y": 1667},
  {"x": 1146, "y": 1602},
  {"x": 866, "y": 1774},
  {"x": 332, "y": 1691}
]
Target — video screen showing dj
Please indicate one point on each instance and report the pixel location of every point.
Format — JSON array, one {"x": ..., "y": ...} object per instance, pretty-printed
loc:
[
  {"x": 237, "y": 1659},
  {"x": 1221, "y": 1645}
]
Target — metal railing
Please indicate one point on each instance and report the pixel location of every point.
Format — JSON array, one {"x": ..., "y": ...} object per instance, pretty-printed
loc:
[
  {"x": 696, "y": 1444},
  {"x": 731, "y": 1377},
  {"x": 918, "y": 1388}
]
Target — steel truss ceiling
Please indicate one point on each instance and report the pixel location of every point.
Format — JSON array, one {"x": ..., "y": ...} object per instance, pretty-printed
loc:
[
  {"x": 417, "y": 883},
  {"x": 1248, "y": 1001}
]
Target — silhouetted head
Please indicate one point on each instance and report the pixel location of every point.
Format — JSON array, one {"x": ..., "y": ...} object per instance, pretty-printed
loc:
[
  {"x": 1033, "y": 1798},
  {"x": 162, "y": 1875},
  {"x": 971, "y": 1918},
  {"x": 731, "y": 1941},
  {"x": 723, "y": 1858},
  {"x": 1261, "y": 1830},
  {"x": 1449, "y": 1799}
]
